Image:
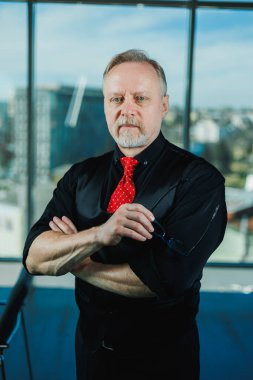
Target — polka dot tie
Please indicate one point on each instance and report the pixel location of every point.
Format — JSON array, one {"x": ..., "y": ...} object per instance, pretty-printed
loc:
[{"x": 125, "y": 191}]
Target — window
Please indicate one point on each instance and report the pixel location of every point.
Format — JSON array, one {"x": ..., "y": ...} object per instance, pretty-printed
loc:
[
  {"x": 13, "y": 128},
  {"x": 74, "y": 45},
  {"x": 222, "y": 117}
]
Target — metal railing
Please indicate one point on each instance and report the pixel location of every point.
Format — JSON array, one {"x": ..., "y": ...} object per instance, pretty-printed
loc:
[{"x": 12, "y": 317}]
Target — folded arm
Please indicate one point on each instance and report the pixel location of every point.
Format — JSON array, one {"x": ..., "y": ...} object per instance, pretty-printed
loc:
[
  {"x": 55, "y": 253},
  {"x": 62, "y": 249},
  {"x": 118, "y": 278}
]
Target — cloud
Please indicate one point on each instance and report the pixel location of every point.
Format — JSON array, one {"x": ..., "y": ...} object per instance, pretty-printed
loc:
[
  {"x": 77, "y": 40},
  {"x": 86, "y": 53},
  {"x": 13, "y": 38},
  {"x": 223, "y": 68}
]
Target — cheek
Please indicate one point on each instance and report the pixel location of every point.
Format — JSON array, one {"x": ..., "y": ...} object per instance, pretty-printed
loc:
[
  {"x": 108, "y": 115},
  {"x": 152, "y": 122},
  {"x": 153, "y": 117}
]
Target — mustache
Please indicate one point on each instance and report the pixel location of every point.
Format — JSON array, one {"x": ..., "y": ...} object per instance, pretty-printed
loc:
[{"x": 127, "y": 120}]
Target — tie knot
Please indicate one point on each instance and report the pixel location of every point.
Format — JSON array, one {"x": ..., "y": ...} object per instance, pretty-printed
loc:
[{"x": 128, "y": 164}]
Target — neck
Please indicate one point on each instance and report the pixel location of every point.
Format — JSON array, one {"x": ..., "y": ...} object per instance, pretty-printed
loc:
[{"x": 132, "y": 152}]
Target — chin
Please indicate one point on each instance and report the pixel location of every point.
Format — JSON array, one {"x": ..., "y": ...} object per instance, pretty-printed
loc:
[{"x": 127, "y": 140}]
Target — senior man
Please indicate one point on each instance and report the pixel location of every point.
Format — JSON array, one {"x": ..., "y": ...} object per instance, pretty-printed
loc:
[{"x": 135, "y": 226}]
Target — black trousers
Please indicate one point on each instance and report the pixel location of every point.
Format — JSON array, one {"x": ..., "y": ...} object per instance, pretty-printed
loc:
[{"x": 177, "y": 359}]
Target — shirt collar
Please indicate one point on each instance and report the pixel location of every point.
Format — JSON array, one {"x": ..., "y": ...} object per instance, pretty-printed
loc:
[{"x": 148, "y": 155}]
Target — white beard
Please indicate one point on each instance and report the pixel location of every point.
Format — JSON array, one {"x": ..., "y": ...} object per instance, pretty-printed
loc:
[{"x": 127, "y": 140}]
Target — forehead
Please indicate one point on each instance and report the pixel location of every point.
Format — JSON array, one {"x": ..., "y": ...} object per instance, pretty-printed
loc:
[{"x": 132, "y": 77}]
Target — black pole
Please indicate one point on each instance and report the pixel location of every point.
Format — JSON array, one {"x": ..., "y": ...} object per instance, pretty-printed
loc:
[
  {"x": 30, "y": 116},
  {"x": 189, "y": 75}
]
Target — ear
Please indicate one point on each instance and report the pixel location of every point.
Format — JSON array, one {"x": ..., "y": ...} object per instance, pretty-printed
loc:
[{"x": 165, "y": 105}]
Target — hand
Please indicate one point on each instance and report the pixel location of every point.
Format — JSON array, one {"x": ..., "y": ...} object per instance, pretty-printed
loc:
[
  {"x": 64, "y": 225},
  {"x": 129, "y": 220}
]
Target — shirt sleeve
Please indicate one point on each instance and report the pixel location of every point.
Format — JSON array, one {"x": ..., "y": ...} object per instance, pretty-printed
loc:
[
  {"x": 198, "y": 220},
  {"x": 61, "y": 204}
]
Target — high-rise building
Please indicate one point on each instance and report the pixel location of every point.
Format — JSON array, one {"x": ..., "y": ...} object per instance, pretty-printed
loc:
[
  {"x": 6, "y": 138},
  {"x": 69, "y": 126}
]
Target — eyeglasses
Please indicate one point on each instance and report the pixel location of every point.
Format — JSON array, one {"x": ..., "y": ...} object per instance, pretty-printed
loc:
[{"x": 174, "y": 244}]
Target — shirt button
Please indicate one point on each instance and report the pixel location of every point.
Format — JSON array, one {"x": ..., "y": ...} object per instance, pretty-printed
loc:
[{"x": 145, "y": 163}]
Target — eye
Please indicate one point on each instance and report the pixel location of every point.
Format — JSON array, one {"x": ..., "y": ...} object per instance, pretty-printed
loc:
[
  {"x": 117, "y": 99},
  {"x": 140, "y": 98}
]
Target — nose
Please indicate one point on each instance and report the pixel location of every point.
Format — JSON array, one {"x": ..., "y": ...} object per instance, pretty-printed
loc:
[{"x": 128, "y": 107}]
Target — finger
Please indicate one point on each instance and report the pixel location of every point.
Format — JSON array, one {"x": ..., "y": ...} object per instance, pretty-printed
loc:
[
  {"x": 140, "y": 208},
  {"x": 66, "y": 220},
  {"x": 54, "y": 227},
  {"x": 140, "y": 218},
  {"x": 132, "y": 234},
  {"x": 62, "y": 225},
  {"x": 137, "y": 227},
  {"x": 137, "y": 216}
]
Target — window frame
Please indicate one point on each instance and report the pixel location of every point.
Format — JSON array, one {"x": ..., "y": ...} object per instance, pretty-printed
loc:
[{"x": 191, "y": 5}]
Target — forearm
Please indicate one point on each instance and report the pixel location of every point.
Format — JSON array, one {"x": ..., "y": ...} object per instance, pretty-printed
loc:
[
  {"x": 55, "y": 253},
  {"x": 118, "y": 279},
  {"x": 58, "y": 251}
]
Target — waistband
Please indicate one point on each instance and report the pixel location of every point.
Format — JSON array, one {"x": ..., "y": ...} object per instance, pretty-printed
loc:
[{"x": 105, "y": 301}]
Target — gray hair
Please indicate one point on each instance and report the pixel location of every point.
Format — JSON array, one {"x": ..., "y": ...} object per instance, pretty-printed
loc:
[{"x": 136, "y": 55}]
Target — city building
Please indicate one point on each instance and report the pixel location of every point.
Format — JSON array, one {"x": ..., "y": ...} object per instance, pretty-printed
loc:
[{"x": 67, "y": 125}]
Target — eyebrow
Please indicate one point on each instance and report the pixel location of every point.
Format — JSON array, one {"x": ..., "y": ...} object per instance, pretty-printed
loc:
[
  {"x": 116, "y": 94},
  {"x": 134, "y": 94}
]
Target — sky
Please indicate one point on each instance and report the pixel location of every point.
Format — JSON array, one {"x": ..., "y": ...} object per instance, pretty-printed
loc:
[{"x": 75, "y": 41}]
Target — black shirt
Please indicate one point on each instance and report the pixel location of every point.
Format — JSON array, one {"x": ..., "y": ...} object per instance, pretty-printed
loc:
[
  {"x": 145, "y": 167},
  {"x": 192, "y": 211}
]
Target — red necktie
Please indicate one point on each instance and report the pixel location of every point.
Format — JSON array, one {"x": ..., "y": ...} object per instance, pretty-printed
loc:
[{"x": 125, "y": 191}]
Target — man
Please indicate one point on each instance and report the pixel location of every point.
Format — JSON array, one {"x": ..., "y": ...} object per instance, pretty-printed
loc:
[{"x": 135, "y": 226}]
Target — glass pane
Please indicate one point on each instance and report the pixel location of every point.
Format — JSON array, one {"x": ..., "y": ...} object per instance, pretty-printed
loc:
[
  {"x": 231, "y": 1},
  {"x": 13, "y": 128},
  {"x": 222, "y": 119},
  {"x": 74, "y": 44}
]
